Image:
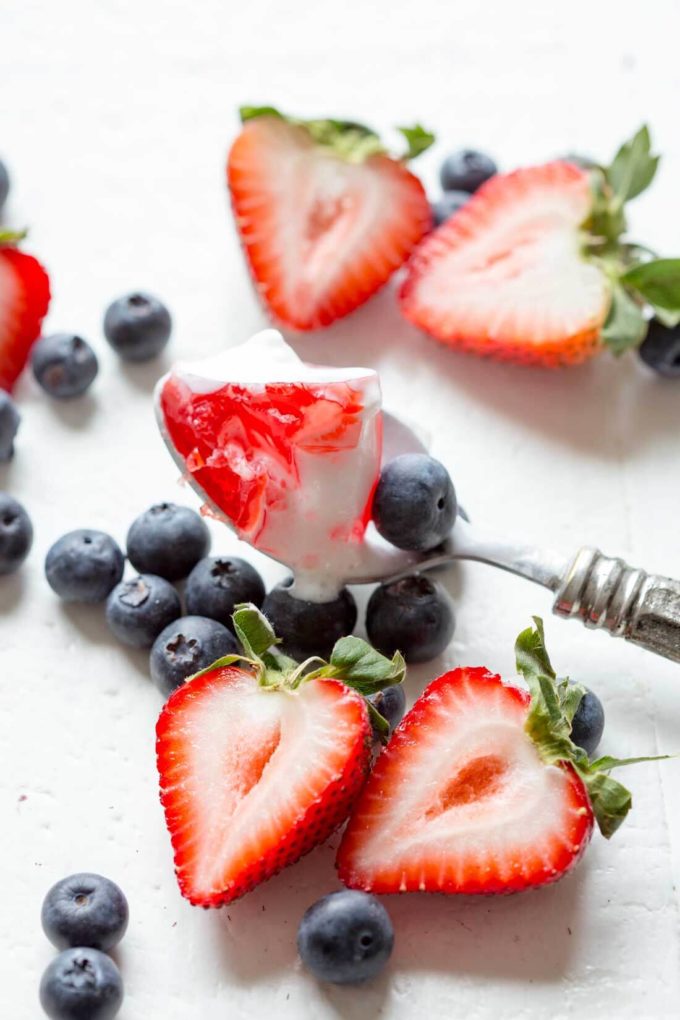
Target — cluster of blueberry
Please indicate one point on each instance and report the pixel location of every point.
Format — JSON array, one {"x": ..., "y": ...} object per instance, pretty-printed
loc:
[
  {"x": 414, "y": 508},
  {"x": 85, "y": 916}
]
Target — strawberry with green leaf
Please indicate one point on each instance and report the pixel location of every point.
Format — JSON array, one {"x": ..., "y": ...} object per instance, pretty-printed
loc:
[
  {"x": 481, "y": 789},
  {"x": 260, "y": 759},
  {"x": 325, "y": 214},
  {"x": 537, "y": 266}
]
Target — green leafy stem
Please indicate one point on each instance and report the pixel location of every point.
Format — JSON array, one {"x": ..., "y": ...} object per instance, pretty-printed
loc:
[
  {"x": 346, "y": 138},
  {"x": 553, "y": 705},
  {"x": 639, "y": 281},
  {"x": 353, "y": 661}
]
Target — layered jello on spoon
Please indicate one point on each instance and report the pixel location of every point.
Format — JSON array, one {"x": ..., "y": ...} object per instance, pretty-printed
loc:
[{"x": 288, "y": 454}]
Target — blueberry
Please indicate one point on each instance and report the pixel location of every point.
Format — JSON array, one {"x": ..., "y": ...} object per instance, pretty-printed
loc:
[
  {"x": 660, "y": 350},
  {"x": 138, "y": 610},
  {"x": 64, "y": 365},
  {"x": 81, "y": 984},
  {"x": 588, "y": 723},
  {"x": 137, "y": 326},
  {"x": 466, "y": 170},
  {"x": 391, "y": 703},
  {"x": 346, "y": 937},
  {"x": 85, "y": 910},
  {"x": 447, "y": 205},
  {"x": 413, "y": 615},
  {"x": 4, "y": 184},
  {"x": 16, "y": 534},
  {"x": 84, "y": 565},
  {"x": 414, "y": 506},
  {"x": 218, "y": 583},
  {"x": 10, "y": 420},
  {"x": 308, "y": 628},
  {"x": 186, "y": 646},
  {"x": 167, "y": 540}
]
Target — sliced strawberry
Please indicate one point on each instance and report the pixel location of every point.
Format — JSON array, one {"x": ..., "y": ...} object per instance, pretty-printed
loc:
[
  {"x": 325, "y": 216},
  {"x": 253, "y": 778},
  {"x": 461, "y": 801},
  {"x": 506, "y": 275},
  {"x": 24, "y": 299}
]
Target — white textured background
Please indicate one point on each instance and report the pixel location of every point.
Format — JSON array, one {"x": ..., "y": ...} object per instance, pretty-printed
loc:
[{"x": 115, "y": 117}]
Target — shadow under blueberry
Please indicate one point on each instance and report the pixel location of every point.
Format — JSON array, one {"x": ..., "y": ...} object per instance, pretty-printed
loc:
[
  {"x": 12, "y": 591},
  {"x": 259, "y": 931},
  {"x": 76, "y": 413},
  {"x": 143, "y": 375},
  {"x": 90, "y": 621}
]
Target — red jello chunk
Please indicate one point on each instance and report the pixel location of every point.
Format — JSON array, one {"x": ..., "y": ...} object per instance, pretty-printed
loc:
[{"x": 240, "y": 444}]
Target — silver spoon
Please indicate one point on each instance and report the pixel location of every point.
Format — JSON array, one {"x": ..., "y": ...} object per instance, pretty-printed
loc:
[{"x": 600, "y": 591}]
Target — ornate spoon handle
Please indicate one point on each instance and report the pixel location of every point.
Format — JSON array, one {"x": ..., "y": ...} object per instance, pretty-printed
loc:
[{"x": 605, "y": 592}]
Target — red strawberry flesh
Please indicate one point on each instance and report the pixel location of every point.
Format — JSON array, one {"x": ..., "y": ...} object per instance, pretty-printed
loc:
[{"x": 24, "y": 299}]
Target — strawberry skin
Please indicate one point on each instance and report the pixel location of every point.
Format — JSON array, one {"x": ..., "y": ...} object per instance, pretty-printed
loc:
[
  {"x": 251, "y": 779},
  {"x": 24, "y": 299},
  {"x": 505, "y": 276},
  {"x": 460, "y": 801},
  {"x": 321, "y": 234}
]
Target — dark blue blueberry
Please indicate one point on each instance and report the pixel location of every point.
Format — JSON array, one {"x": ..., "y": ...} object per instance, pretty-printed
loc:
[
  {"x": 137, "y": 326},
  {"x": 81, "y": 984},
  {"x": 186, "y": 646},
  {"x": 138, "y": 610},
  {"x": 167, "y": 540},
  {"x": 10, "y": 419},
  {"x": 466, "y": 170},
  {"x": 346, "y": 937},
  {"x": 414, "y": 506},
  {"x": 660, "y": 350},
  {"x": 450, "y": 202},
  {"x": 16, "y": 534},
  {"x": 84, "y": 565},
  {"x": 587, "y": 725},
  {"x": 85, "y": 910},
  {"x": 4, "y": 184},
  {"x": 218, "y": 583},
  {"x": 391, "y": 703},
  {"x": 413, "y": 616},
  {"x": 64, "y": 365},
  {"x": 308, "y": 628}
]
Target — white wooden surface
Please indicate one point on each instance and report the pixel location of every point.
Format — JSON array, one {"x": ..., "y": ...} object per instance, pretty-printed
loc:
[{"x": 115, "y": 118}]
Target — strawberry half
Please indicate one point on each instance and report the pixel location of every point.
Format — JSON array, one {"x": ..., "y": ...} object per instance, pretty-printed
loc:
[
  {"x": 534, "y": 268},
  {"x": 24, "y": 299},
  {"x": 325, "y": 216},
  {"x": 505, "y": 275},
  {"x": 480, "y": 789},
  {"x": 259, "y": 764}
]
